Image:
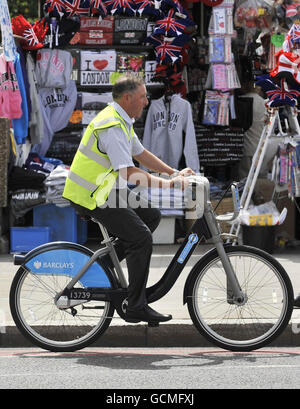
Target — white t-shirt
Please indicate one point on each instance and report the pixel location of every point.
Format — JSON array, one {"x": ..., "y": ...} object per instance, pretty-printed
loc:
[{"x": 116, "y": 145}]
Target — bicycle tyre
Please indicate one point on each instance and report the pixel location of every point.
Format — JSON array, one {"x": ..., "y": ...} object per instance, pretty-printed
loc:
[
  {"x": 260, "y": 320},
  {"x": 37, "y": 317}
]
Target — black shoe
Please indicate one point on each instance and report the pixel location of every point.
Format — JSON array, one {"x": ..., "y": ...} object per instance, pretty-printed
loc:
[
  {"x": 146, "y": 314},
  {"x": 297, "y": 302}
]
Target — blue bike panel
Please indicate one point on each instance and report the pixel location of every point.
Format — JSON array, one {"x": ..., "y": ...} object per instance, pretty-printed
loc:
[
  {"x": 193, "y": 239},
  {"x": 68, "y": 263}
]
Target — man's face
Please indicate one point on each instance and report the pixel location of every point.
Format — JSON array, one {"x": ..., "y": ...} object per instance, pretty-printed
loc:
[{"x": 136, "y": 102}]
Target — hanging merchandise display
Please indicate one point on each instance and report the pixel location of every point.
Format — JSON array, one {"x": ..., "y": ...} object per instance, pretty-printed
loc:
[
  {"x": 36, "y": 120},
  {"x": 10, "y": 96},
  {"x": 10, "y": 49},
  {"x": 57, "y": 106},
  {"x": 222, "y": 75},
  {"x": 216, "y": 110},
  {"x": 285, "y": 169},
  {"x": 20, "y": 124},
  {"x": 254, "y": 14},
  {"x": 166, "y": 121},
  {"x": 190, "y": 55},
  {"x": 53, "y": 68},
  {"x": 97, "y": 68}
]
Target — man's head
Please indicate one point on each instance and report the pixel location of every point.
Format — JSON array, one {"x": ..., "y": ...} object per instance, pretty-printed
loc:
[{"x": 130, "y": 93}]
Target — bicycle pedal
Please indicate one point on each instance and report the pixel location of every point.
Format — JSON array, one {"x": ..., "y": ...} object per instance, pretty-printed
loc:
[{"x": 152, "y": 324}]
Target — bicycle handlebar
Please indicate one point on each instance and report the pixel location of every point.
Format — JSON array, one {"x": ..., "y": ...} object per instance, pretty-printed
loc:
[{"x": 202, "y": 183}]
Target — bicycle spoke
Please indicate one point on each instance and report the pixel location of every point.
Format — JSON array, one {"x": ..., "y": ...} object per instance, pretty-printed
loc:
[{"x": 226, "y": 321}]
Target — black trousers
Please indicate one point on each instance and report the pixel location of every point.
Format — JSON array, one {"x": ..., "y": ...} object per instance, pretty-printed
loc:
[{"x": 133, "y": 226}]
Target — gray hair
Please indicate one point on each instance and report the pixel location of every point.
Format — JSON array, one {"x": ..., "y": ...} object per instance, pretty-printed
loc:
[{"x": 126, "y": 83}]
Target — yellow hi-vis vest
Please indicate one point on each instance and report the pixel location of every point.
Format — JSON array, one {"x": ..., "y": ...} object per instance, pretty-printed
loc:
[{"x": 91, "y": 176}]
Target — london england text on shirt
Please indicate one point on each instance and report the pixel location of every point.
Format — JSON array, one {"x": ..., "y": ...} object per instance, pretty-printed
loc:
[{"x": 159, "y": 120}]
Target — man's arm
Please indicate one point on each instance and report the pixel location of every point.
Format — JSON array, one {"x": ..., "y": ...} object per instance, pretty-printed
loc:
[
  {"x": 138, "y": 176},
  {"x": 152, "y": 162}
]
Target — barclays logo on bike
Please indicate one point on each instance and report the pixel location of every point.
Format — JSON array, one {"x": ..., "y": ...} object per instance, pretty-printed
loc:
[
  {"x": 38, "y": 264},
  {"x": 54, "y": 261}
]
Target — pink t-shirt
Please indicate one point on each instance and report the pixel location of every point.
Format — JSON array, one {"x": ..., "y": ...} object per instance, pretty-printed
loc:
[{"x": 10, "y": 96}]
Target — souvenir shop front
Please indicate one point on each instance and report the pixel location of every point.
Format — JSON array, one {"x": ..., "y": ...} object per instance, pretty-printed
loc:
[{"x": 199, "y": 60}]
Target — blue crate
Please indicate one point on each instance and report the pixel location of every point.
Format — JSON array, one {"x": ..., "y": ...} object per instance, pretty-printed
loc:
[
  {"x": 65, "y": 223},
  {"x": 24, "y": 239}
]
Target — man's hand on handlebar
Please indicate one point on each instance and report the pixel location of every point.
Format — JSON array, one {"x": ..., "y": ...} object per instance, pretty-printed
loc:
[
  {"x": 186, "y": 172},
  {"x": 180, "y": 182}
]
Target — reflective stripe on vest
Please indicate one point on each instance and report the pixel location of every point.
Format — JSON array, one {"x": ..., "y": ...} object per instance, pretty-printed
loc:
[
  {"x": 82, "y": 182},
  {"x": 87, "y": 151}
]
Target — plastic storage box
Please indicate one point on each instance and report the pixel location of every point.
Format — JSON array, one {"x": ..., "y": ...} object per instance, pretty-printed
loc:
[
  {"x": 24, "y": 239},
  {"x": 64, "y": 222}
]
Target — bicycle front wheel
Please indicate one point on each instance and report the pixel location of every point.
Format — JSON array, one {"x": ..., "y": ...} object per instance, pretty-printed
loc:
[
  {"x": 260, "y": 319},
  {"x": 40, "y": 320}
]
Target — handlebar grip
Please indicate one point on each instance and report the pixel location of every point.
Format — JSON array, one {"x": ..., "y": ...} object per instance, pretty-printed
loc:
[{"x": 194, "y": 185}]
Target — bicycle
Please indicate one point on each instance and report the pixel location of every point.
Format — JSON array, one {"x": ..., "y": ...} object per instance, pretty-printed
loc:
[{"x": 63, "y": 297}]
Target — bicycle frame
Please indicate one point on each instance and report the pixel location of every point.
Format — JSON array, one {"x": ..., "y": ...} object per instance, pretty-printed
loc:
[{"x": 205, "y": 226}]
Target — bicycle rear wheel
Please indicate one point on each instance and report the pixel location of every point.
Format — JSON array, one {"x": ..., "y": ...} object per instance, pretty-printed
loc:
[
  {"x": 265, "y": 312},
  {"x": 33, "y": 308}
]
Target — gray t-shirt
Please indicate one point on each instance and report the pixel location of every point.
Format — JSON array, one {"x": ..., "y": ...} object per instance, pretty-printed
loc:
[
  {"x": 116, "y": 145},
  {"x": 252, "y": 135}
]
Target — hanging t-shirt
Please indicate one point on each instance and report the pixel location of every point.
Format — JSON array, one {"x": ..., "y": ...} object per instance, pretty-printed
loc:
[
  {"x": 10, "y": 95},
  {"x": 36, "y": 120},
  {"x": 165, "y": 126},
  {"x": 20, "y": 125},
  {"x": 10, "y": 49},
  {"x": 252, "y": 135},
  {"x": 57, "y": 106},
  {"x": 53, "y": 68}
]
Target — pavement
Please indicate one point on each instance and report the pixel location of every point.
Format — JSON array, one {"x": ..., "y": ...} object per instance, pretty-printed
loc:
[{"x": 180, "y": 332}]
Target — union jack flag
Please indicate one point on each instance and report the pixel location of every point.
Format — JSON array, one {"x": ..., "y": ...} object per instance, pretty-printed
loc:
[
  {"x": 56, "y": 7},
  {"x": 169, "y": 25},
  {"x": 98, "y": 6},
  {"x": 31, "y": 38},
  {"x": 168, "y": 50},
  {"x": 292, "y": 37},
  {"x": 146, "y": 7},
  {"x": 77, "y": 7},
  {"x": 120, "y": 6},
  {"x": 279, "y": 95}
]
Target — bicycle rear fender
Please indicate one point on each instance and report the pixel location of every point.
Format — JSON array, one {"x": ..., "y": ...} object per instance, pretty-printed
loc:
[{"x": 66, "y": 258}]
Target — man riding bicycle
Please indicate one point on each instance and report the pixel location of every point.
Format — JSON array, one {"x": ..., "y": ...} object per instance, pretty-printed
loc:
[{"x": 97, "y": 186}]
